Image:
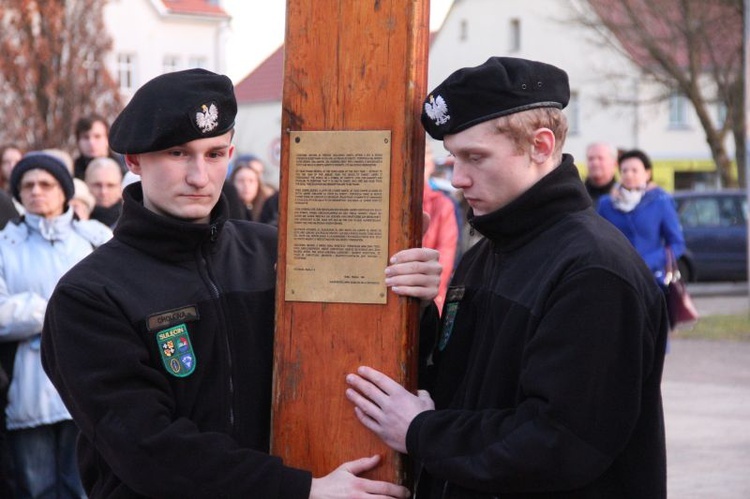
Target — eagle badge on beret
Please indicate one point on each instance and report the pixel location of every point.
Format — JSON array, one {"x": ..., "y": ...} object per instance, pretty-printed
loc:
[
  {"x": 208, "y": 118},
  {"x": 437, "y": 110}
]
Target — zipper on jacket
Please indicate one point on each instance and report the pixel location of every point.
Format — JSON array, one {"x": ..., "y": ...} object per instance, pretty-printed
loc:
[{"x": 216, "y": 295}]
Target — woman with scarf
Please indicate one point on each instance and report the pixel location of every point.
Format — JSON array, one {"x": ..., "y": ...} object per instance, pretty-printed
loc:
[{"x": 645, "y": 213}]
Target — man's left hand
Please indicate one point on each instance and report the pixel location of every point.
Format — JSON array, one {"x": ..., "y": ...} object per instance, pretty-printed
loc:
[{"x": 385, "y": 407}]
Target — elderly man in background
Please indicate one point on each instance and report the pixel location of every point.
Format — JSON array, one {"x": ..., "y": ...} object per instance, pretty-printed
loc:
[
  {"x": 104, "y": 180},
  {"x": 601, "y": 161}
]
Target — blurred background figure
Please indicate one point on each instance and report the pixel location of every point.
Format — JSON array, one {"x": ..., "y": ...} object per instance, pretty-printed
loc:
[
  {"x": 8, "y": 210},
  {"x": 645, "y": 213},
  {"x": 270, "y": 213},
  {"x": 63, "y": 156},
  {"x": 601, "y": 162},
  {"x": 83, "y": 201},
  {"x": 10, "y": 154},
  {"x": 92, "y": 140},
  {"x": 104, "y": 180},
  {"x": 35, "y": 251},
  {"x": 442, "y": 233},
  {"x": 247, "y": 179}
]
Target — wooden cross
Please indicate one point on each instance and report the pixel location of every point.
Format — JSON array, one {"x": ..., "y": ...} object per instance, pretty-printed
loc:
[{"x": 355, "y": 74}]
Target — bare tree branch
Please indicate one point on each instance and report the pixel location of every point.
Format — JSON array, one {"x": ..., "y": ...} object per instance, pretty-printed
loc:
[
  {"x": 690, "y": 46},
  {"x": 52, "y": 69}
]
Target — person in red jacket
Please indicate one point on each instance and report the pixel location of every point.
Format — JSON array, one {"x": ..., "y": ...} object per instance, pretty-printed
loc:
[{"x": 442, "y": 233}]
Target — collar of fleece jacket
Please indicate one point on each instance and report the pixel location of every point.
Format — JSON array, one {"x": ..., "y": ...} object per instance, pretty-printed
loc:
[
  {"x": 165, "y": 238},
  {"x": 554, "y": 197}
]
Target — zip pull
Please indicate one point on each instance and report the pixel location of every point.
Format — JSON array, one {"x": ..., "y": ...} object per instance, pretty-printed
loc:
[{"x": 214, "y": 233}]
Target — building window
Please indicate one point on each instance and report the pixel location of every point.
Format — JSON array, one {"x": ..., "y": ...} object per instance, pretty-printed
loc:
[
  {"x": 91, "y": 65},
  {"x": 171, "y": 63},
  {"x": 515, "y": 35},
  {"x": 678, "y": 111},
  {"x": 126, "y": 71},
  {"x": 197, "y": 62},
  {"x": 721, "y": 114},
  {"x": 573, "y": 113},
  {"x": 464, "y": 34}
]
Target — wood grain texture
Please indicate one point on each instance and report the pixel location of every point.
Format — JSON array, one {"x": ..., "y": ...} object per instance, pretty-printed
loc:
[{"x": 349, "y": 65}]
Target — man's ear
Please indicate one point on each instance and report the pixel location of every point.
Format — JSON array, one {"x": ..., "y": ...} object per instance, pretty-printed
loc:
[
  {"x": 133, "y": 161},
  {"x": 543, "y": 145}
]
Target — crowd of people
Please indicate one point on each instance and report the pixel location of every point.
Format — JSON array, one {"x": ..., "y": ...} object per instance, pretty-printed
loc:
[{"x": 546, "y": 343}]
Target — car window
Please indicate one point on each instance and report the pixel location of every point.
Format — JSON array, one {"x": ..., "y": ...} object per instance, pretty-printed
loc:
[
  {"x": 709, "y": 212},
  {"x": 729, "y": 212},
  {"x": 700, "y": 212}
]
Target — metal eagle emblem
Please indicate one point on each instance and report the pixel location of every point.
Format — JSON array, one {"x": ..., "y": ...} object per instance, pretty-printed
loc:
[
  {"x": 208, "y": 118},
  {"x": 437, "y": 110}
]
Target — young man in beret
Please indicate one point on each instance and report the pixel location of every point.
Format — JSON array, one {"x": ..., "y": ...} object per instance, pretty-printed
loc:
[
  {"x": 161, "y": 343},
  {"x": 546, "y": 374}
]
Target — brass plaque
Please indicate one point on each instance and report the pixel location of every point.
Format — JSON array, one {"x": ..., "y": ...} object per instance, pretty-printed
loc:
[{"x": 337, "y": 228}]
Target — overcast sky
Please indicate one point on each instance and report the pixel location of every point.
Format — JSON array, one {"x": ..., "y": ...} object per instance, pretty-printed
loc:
[{"x": 258, "y": 30}]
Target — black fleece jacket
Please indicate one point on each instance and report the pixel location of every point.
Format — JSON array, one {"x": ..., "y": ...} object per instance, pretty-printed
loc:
[
  {"x": 548, "y": 365},
  {"x": 160, "y": 343}
]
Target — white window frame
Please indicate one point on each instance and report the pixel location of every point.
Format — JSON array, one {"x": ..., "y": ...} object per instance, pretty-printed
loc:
[
  {"x": 514, "y": 31},
  {"x": 126, "y": 77},
  {"x": 678, "y": 111},
  {"x": 170, "y": 63}
]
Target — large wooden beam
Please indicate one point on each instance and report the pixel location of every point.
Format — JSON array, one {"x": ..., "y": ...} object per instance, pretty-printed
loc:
[{"x": 350, "y": 66}]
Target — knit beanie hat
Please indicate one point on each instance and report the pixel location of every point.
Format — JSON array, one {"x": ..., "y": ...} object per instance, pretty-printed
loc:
[{"x": 42, "y": 161}]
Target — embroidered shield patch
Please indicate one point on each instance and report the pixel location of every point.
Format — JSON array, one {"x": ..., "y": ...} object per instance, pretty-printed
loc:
[{"x": 176, "y": 350}]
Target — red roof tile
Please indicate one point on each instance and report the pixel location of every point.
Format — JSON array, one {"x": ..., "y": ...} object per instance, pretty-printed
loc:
[
  {"x": 706, "y": 33},
  {"x": 199, "y": 7},
  {"x": 264, "y": 84}
]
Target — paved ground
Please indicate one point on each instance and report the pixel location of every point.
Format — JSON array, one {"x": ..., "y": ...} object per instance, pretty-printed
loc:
[
  {"x": 720, "y": 298},
  {"x": 706, "y": 390}
]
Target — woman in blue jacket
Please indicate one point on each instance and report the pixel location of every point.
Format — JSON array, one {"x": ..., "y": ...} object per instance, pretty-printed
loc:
[{"x": 644, "y": 212}]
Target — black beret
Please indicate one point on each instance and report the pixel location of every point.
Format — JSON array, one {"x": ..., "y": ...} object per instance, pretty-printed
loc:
[
  {"x": 43, "y": 161},
  {"x": 173, "y": 109},
  {"x": 500, "y": 86}
]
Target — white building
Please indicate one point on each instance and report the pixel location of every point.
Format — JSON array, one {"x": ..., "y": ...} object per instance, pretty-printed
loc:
[
  {"x": 544, "y": 30},
  {"x": 473, "y": 31},
  {"x": 153, "y": 37}
]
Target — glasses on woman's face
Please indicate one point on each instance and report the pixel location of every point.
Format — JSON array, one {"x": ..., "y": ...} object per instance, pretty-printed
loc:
[{"x": 44, "y": 185}]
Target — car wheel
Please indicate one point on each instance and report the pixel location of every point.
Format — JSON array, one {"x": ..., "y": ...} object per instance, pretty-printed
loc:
[{"x": 685, "y": 270}]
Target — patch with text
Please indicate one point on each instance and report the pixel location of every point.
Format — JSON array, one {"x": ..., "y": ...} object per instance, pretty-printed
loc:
[{"x": 176, "y": 350}]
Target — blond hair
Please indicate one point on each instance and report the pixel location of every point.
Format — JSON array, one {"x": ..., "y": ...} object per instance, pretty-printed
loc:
[{"x": 520, "y": 128}]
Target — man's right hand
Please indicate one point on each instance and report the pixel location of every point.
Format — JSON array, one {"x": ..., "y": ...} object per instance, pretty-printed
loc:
[{"x": 343, "y": 483}]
